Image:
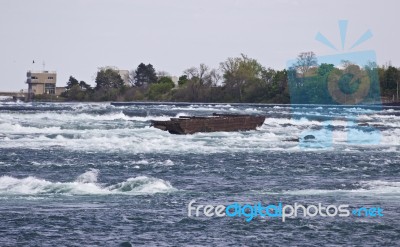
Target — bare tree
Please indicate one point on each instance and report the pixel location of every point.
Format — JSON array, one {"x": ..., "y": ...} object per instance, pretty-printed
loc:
[
  {"x": 203, "y": 72},
  {"x": 191, "y": 72},
  {"x": 305, "y": 61},
  {"x": 199, "y": 75},
  {"x": 215, "y": 77}
]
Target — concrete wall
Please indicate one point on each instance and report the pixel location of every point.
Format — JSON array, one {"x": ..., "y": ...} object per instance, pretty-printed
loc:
[{"x": 36, "y": 88}]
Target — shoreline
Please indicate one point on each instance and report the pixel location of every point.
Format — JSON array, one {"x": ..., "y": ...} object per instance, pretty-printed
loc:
[{"x": 393, "y": 105}]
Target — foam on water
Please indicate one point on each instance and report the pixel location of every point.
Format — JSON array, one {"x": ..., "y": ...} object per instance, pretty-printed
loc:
[
  {"x": 4, "y": 98},
  {"x": 85, "y": 184},
  {"x": 84, "y": 128},
  {"x": 71, "y": 116},
  {"x": 88, "y": 177},
  {"x": 141, "y": 162},
  {"x": 149, "y": 140},
  {"x": 367, "y": 188}
]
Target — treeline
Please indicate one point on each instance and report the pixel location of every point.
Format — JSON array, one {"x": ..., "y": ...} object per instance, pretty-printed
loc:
[
  {"x": 238, "y": 79},
  {"x": 346, "y": 83}
]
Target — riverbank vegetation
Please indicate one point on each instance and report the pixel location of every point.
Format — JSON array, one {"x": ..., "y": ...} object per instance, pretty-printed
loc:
[{"x": 240, "y": 79}]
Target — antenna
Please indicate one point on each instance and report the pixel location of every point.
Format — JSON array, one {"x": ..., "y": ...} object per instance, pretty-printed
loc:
[{"x": 44, "y": 65}]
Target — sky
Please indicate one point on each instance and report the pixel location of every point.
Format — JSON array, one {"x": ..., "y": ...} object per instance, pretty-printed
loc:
[{"x": 76, "y": 37}]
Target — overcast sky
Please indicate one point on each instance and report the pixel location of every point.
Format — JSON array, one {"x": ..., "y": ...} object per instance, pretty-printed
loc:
[{"x": 76, "y": 37}]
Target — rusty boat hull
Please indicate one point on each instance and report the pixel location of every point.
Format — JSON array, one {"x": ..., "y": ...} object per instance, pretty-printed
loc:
[{"x": 214, "y": 123}]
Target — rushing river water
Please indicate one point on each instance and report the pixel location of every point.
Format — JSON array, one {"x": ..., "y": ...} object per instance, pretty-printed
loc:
[{"x": 77, "y": 174}]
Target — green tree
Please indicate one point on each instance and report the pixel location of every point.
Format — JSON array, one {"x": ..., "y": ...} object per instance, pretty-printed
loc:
[
  {"x": 108, "y": 78},
  {"x": 166, "y": 79},
  {"x": 279, "y": 81},
  {"x": 158, "y": 90},
  {"x": 182, "y": 80},
  {"x": 391, "y": 77},
  {"x": 324, "y": 69},
  {"x": 71, "y": 82},
  {"x": 239, "y": 71},
  {"x": 76, "y": 93},
  {"x": 84, "y": 86},
  {"x": 145, "y": 74}
]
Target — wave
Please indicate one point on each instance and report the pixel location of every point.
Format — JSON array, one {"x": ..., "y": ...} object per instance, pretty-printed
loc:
[
  {"x": 101, "y": 127},
  {"x": 69, "y": 116},
  {"x": 85, "y": 184},
  {"x": 366, "y": 188},
  {"x": 5, "y": 98},
  {"x": 268, "y": 137}
]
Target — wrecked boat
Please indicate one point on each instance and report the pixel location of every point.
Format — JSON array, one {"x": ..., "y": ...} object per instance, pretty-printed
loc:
[{"x": 214, "y": 123}]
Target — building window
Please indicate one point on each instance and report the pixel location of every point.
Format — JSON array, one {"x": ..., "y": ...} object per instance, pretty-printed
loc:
[
  {"x": 33, "y": 77},
  {"x": 49, "y": 88},
  {"x": 50, "y": 78}
]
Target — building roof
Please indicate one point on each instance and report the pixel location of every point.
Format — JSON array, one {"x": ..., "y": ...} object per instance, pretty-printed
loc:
[{"x": 42, "y": 71}]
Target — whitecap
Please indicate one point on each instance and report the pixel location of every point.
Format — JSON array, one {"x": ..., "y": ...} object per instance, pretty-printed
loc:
[
  {"x": 367, "y": 188},
  {"x": 85, "y": 184}
]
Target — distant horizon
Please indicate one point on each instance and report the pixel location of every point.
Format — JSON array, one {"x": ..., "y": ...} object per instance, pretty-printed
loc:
[{"x": 92, "y": 83}]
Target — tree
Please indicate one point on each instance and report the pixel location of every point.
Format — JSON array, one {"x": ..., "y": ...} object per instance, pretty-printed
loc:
[
  {"x": 279, "y": 80},
  {"x": 145, "y": 74},
  {"x": 350, "y": 85},
  {"x": 76, "y": 93},
  {"x": 71, "y": 82},
  {"x": 166, "y": 79},
  {"x": 197, "y": 74},
  {"x": 214, "y": 77},
  {"x": 108, "y": 78},
  {"x": 305, "y": 61},
  {"x": 324, "y": 69},
  {"x": 239, "y": 71},
  {"x": 391, "y": 77},
  {"x": 84, "y": 86},
  {"x": 159, "y": 89},
  {"x": 183, "y": 80},
  {"x": 197, "y": 81}
]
